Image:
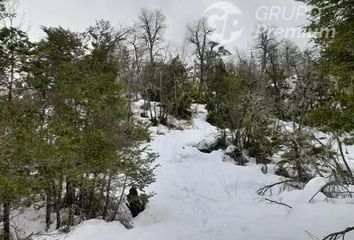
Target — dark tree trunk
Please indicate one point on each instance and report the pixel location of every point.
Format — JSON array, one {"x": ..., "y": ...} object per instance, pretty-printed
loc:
[
  {"x": 91, "y": 205},
  {"x": 340, "y": 146},
  {"x": 108, "y": 189},
  {"x": 6, "y": 221},
  {"x": 48, "y": 208},
  {"x": 70, "y": 218},
  {"x": 120, "y": 198},
  {"x": 83, "y": 200},
  {"x": 57, "y": 205},
  {"x": 69, "y": 198}
]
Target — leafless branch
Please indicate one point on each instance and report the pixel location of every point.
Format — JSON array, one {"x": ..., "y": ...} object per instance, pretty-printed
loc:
[
  {"x": 264, "y": 189},
  {"x": 280, "y": 203},
  {"x": 338, "y": 235}
]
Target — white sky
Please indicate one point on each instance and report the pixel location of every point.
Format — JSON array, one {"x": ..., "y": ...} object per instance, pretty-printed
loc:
[{"x": 79, "y": 14}]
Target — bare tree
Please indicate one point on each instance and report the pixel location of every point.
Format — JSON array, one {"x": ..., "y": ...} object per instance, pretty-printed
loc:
[
  {"x": 269, "y": 53},
  {"x": 137, "y": 54},
  {"x": 265, "y": 45},
  {"x": 290, "y": 56},
  {"x": 198, "y": 34},
  {"x": 153, "y": 24}
]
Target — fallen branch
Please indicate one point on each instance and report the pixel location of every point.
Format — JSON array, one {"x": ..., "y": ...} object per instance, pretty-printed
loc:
[
  {"x": 321, "y": 189},
  {"x": 339, "y": 235},
  {"x": 280, "y": 203},
  {"x": 264, "y": 189}
]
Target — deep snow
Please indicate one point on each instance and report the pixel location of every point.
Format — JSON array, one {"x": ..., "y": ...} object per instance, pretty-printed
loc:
[{"x": 199, "y": 196}]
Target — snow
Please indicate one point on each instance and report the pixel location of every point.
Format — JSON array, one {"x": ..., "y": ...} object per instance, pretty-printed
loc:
[
  {"x": 201, "y": 197},
  {"x": 28, "y": 220},
  {"x": 304, "y": 196}
]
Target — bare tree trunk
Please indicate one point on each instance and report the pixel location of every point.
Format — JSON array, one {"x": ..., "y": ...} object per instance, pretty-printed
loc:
[
  {"x": 201, "y": 78},
  {"x": 69, "y": 198},
  {"x": 340, "y": 146},
  {"x": 57, "y": 204},
  {"x": 108, "y": 189},
  {"x": 70, "y": 217},
  {"x": 48, "y": 208},
  {"x": 102, "y": 189},
  {"x": 120, "y": 198},
  {"x": 91, "y": 207},
  {"x": 6, "y": 221}
]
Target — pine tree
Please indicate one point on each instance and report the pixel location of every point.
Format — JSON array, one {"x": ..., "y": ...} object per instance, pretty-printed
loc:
[
  {"x": 333, "y": 21},
  {"x": 15, "y": 120}
]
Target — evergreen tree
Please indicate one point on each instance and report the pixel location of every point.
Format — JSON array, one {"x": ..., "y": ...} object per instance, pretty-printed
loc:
[
  {"x": 333, "y": 21},
  {"x": 15, "y": 120}
]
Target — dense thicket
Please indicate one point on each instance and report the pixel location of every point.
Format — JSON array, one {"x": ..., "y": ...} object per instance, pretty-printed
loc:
[{"x": 68, "y": 140}]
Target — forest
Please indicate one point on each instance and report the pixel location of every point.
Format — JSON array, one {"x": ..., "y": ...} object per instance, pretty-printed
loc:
[{"x": 78, "y": 112}]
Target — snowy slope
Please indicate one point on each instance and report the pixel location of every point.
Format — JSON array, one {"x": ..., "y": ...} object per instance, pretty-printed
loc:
[{"x": 201, "y": 197}]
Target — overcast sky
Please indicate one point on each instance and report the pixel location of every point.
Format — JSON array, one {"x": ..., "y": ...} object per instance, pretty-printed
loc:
[{"x": 245, "y": 16}]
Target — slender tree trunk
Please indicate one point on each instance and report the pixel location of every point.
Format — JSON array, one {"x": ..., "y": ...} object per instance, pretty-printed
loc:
[
  {"x": 6, "y": 221},
  {"x": 92, "y": 209},
  {"x": 69, "y": 198},
  {"x": 57, "y": 205},
  {"x": 108, "y": 189},
  {"x": 70, "y": 217},
  {"x": 102, "y": 190},
  {"x": 48, "y": 208},
  {"x": 120, "y": 198},
  {"x": 298, "y": 158},
  {"x": 6, "y": 205},
  {"x": 340, "y": 146},
  {"x": 201, "y": 78},
  {"x": 81, "y": 198}
]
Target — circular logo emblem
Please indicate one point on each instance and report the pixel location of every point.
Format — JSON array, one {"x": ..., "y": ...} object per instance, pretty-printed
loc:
[{"x": 223, "y": 17}]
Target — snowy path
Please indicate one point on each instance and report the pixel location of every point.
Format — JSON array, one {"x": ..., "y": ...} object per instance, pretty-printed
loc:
[{"x": 200, "y": 197}]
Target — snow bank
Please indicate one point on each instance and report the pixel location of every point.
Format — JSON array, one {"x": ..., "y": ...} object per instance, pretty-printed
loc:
[
  {"x": 311, "y": 189},
  {"x": 100, "y": 228}
]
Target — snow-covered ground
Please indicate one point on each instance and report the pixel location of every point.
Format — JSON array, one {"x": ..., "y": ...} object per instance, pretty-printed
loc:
[{"x": 199, "y": 197}]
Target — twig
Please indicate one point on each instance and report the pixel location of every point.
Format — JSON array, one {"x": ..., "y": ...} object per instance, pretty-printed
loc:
[
  {"x": 264, "y": 189},
  {"x": 338, "y": 235},
  {"x": 313, "y": 237},
  {"x": 280, "y": 203},
  {"x": 224, "y": 186}
]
